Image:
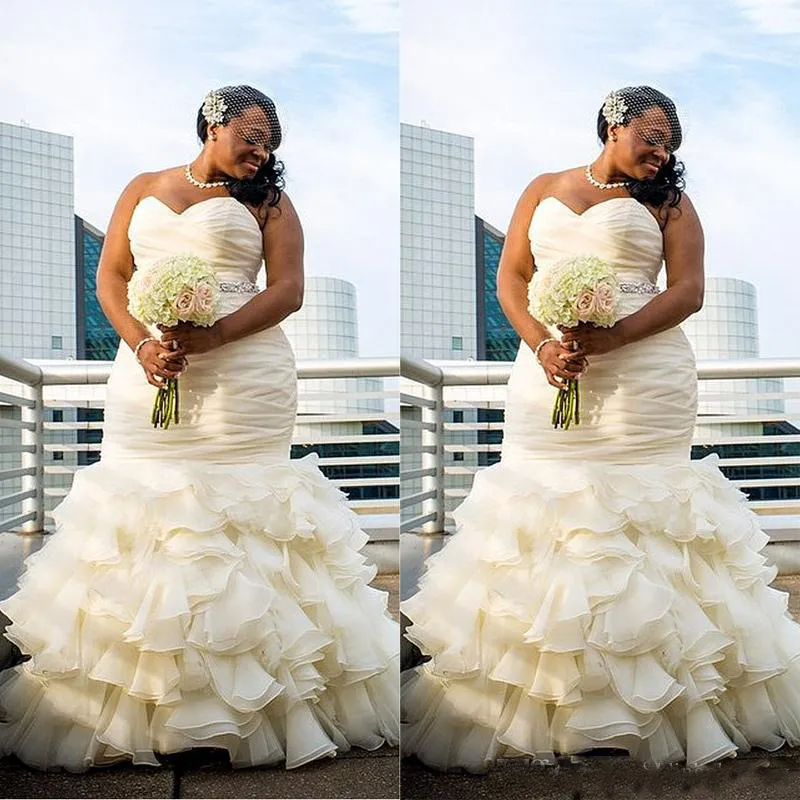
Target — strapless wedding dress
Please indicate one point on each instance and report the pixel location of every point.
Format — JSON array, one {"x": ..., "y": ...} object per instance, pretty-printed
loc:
[
  {"x": 602, "y": 590},
  {"x": 201, "y": 589}
]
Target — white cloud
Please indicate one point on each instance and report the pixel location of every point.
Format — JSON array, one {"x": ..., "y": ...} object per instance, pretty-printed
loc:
[
  {"x": 779, "y": 17},
  {"x": 372, "y": 16}
]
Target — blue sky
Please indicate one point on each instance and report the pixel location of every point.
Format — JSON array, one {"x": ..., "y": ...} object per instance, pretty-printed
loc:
[
  {"x": 526, "y": 79},
  {"x": 125, "y": 79}
]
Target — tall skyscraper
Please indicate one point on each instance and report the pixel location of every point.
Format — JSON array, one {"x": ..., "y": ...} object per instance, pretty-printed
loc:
[
  {"x": 37, "y": 244},
  {"x": 437, "y": 227}
]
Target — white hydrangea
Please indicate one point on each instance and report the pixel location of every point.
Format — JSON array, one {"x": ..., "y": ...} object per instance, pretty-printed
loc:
[
  {"x": 581, "y": 288},
  {"x": 181, "y": 288}
]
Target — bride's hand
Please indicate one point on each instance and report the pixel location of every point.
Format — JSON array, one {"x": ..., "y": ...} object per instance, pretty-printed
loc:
[
  {"x": 591, "y": 340},
  {"x": 159, "y": 363},
  {"x": 186, "y": 339},
  {"x": 560, "y": 364}
]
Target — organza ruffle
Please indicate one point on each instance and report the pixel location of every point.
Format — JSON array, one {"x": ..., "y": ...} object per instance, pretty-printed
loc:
[
  {"x": 584, "y": 606},
  {"x": 182, "y": 605}
]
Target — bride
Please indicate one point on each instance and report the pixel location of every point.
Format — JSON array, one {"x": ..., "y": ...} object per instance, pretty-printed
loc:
[
  {"x": 602, "y": 590},
  {"x": 202, "y": 589}
]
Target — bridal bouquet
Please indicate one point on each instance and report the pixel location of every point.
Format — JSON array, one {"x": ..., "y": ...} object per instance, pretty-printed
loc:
[
  {"x": 177, "y": 289},
  {"x": 577, "y": 289}
]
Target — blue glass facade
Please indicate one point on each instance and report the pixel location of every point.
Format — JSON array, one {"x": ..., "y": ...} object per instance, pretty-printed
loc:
[
  {"x": 96, "y": 338},
  {"x": 497, "y": 340}
]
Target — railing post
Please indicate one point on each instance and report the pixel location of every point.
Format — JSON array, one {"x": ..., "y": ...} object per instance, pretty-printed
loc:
[
  {"x": 435, "y": 460},
  {"x": 33, "y": 438}
]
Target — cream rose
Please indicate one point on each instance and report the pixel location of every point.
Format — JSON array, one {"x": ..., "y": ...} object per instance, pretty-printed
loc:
[
  {"x": 204, "y": 298},
  {"x": 184, "y": 303},
  {"x": 584, "y": 305},
  {"x": 604, "y": 298}
]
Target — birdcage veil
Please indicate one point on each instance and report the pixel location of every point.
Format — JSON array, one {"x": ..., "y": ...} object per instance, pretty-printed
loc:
[
  {"x": 653, "y": 117},
  {"x": 647, "y": 111},
  {"x": 252, "y": 116},
  {"x": 247, "y": 111}
]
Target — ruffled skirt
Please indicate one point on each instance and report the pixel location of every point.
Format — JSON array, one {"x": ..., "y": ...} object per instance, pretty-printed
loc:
[
  {"x": 583, "y": 606},
  {"x": 186, "y": 604}
]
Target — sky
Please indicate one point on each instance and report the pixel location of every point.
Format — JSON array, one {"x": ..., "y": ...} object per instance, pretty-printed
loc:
[
  {"x": 126, "y": 78},
  {"x": 526, "y": 78}
]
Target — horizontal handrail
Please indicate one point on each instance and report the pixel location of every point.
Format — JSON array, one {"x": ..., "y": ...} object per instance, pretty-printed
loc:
[{"x": 487, "y": 373}]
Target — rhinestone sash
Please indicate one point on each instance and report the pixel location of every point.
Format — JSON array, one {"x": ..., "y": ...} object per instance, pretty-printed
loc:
[
  {"x": 638, "y": 287},
  {"x": 238, "y": 287}
]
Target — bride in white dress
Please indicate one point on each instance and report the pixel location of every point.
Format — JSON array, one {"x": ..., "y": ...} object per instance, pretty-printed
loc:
[
  {"x": 202, "y": 589},
  {"x": 602, "y": 590}
]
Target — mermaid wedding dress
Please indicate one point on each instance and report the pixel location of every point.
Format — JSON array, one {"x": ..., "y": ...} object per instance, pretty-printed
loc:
[
  {"x": 201, "y": 589},
  {"x": 602, "y": 590}
]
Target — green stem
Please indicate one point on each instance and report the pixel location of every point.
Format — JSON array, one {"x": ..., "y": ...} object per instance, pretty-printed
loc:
[{"x": 568, "y": 414}]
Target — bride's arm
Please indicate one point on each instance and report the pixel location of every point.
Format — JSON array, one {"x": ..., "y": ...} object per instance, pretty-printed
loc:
[
  {"x": 113, "y": 273},
  {"x": 514, "y": 273},
  {"x": 116, "y": 266},
  {"x": 683, "y": 257},
  {"x": 283, "y": 255}
]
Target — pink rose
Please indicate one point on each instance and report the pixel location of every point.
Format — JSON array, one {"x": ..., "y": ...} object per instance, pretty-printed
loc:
[
  {"x": 584, "y": 305},
  {"x": 604, "y": 298},
  {"x": 184, "y": 304},
  {"x": 204, "y": 299}
]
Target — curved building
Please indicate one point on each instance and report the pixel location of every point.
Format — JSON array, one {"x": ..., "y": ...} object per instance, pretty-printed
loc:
[
  {"x": 727, "y": 328},
  {"x": 326, "y": 327}
]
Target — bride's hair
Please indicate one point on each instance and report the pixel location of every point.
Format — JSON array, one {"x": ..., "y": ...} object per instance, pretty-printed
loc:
[
  {"x": 267, "y": 184},
  {"x": 668, "y": 184}
]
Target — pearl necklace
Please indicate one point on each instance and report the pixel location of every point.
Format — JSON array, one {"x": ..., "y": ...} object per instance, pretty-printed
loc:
[
  {"x": 600, "y": 184},
  {"x": 201, "y": 184}
]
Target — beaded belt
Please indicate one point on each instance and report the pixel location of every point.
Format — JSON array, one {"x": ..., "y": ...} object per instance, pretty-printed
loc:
[
  {"x": 238, "y": 287},
  {"x": 637, "y": 287}
]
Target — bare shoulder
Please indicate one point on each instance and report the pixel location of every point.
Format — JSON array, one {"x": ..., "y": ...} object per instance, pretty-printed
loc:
[
  {"x": 535, "y": 191},
  {"x": 682, "y": 216},
  {"x": 140, "y": 185},
  {"x": 284, "y": 210}
]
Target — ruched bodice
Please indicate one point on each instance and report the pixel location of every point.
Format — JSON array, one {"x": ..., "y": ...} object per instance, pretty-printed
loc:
[
  {"x": 238, "y": 401},
  {"x": 638, "y": 401},
  {"x": 220, "y": 230},
  {"x": 620, "y": 230}
]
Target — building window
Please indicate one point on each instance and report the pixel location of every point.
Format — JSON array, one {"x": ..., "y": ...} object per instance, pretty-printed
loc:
[
  {"x": 57, "y": 342},
  {"x": 58, "y": 415},
  {"x": 458, "y": 343},
  {"x": 58, "y": 455},
  {"x": 458, "y": 456},
  {"x": 458, "y": 416}
]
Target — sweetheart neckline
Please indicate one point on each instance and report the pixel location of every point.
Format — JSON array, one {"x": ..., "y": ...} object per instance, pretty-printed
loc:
[
  {"x": 601, "y": 203},
  {"x": 194, "y": 205}
]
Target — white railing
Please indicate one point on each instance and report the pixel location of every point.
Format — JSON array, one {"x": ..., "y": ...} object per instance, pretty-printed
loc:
[
  {"x": 364, "y": 417},
  {"x": 767, "y": 466}
]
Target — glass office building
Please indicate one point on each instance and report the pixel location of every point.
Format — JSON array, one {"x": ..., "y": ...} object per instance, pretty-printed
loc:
[
  {"x": 497, "y": 340},
  {"x": 95, "y": 337}
]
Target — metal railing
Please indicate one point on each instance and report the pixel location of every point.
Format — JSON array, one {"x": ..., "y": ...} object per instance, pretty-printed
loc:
[
  {"x": 363, "y": 415},
  {"x": 767, "y": 446}
]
